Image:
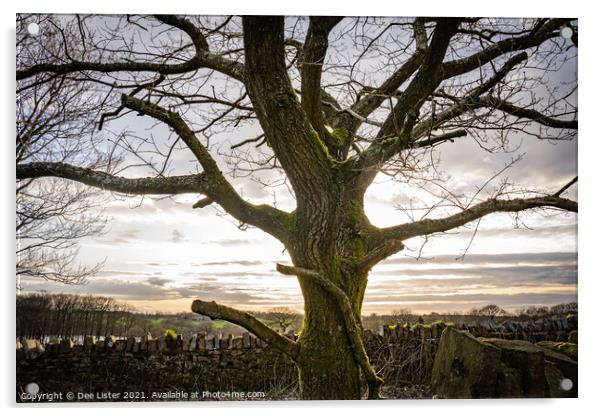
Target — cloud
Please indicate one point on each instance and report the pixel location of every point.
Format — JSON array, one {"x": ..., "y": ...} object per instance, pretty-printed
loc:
[
  {"x": 463, "y": 302},
  {"x": 545, "y": 164},
  {"x": 444, "y": 274},
  {"x": 526, "y": 298},
  {"x": 119, "y": 289},
  {"x": 114, "y": 273},
  {"x": 554, "y": 231},
  {"x": 158, "y": 281},
  {"x": 216, "y": 292},
  {"x": 472, "y": 259},
  {"x": 255, "y": 190},
  {"x": 131, "y": 207},
  {"x": 156, "y": 289},
  {"x": 122, "y": 237},
  {"x": 500, "y": 273},
  {"x": 244, "y": 273},
  {"x": 443, "y": 283},
  {"x": 233, "y": 263},
  {"x": 231, "y": 242}
]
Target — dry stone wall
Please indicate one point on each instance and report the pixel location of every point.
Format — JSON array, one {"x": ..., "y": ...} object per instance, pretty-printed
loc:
[
  {"x": 404, "y": 354},
  {"x": 154, "y": 369}
]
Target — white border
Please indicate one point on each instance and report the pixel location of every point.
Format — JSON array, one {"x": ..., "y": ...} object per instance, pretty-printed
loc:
[{"x": 589, "y": 172}]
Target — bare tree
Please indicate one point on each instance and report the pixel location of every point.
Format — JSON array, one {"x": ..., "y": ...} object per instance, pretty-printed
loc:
[
  {"x": 402, "y": 315},
  {"x": 329, "y": 124},
  {"x": 490, "y": 311},
  {"x": 67, "y": 315},
  {"x": 55, "y": 122},
  {"x": 564, "y": 308},
  {"x": 282, "y": 318}
]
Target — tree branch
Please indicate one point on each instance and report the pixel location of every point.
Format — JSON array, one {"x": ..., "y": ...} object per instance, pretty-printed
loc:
[
  {"x": 371, "y": 101},
  {"x": 173, "y": 120},
  {"x": 388, "y": 248},
  {"x": 403, "y": 115},
  {"x": 469, "y": 102},
  {"x": 386, "y": 147},
  {"x": 217, "y": 187},
  {"x": 133, "y": 186},
  {"x": 426, "y": 80},
  {"x": 202, "y": 59},
  {"x": 429, "y": 226},
  {"x": 312, "y": 58},
  {"x": 288, "y": 130},
  {"x": 249, "y": 322},
  {"x": 202, "y": 203},
  {"x": 519, "y": 112},
  {"x": 539, "y": 35},
  {"x": 352, "y": 324},
  {"x": 567, "y": 186},
  {"x": 445, "y": 137},
  {"x": 379, "y": 151},
  {"x": 208, "y": 60},
  {"x": 264, "y": 217}
]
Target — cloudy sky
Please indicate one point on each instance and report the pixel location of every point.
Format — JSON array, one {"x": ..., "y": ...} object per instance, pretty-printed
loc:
[{"x": 160, "y": 254}]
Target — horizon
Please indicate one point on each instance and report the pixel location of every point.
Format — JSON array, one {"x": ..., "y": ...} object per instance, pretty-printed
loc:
[
  {"x": 406, "y": 311},
  {"x": 558, "y": 267}
]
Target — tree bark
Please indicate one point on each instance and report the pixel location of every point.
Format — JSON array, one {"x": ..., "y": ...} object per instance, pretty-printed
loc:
[
  {"x": 327, "y": 363},
  {"x": 332, "y": 237},
  {"x": 327, "y": 367}
]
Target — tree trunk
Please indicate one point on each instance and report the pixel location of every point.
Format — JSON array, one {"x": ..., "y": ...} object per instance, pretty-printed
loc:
[
  {"x": 327, "y": 367},
  {"x": 328, "y": 240}
]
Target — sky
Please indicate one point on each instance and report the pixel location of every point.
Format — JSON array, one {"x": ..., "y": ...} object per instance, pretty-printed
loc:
[{"x": 160, "y": 254}]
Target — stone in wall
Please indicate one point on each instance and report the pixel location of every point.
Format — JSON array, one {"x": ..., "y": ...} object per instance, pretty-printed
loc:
[{"x": 32, "y": 348}]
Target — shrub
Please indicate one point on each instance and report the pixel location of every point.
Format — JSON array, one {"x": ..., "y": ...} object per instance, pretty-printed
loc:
[{"x": 171, "y": 335}]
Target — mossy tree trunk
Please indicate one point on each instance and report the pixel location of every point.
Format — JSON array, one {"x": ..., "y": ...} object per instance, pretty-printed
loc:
[
  {"x": 333, "y": 238},
  {"x": 328, "y": 240}
]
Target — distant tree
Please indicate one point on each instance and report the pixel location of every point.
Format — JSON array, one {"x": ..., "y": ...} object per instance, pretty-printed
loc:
[
  {"x": 33, "y": 315},
  {"x": 67, "y": 315},
  {"x": 564, "y": 308},
  {"x": 490, "y": 311},
  {"x": 282, "y": 318},
  {"x": 533, "y": 312},
  {"x": 402, "y": 315},
  {"x": 125, "y": 320}
]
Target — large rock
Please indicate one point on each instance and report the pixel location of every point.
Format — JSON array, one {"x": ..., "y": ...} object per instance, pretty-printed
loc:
[
  {"x": 558, "y": 367},
  {"x": 528, "y": 361},
  {"x": 469, "y": 367},
  {"x": 464, "y": 367}
]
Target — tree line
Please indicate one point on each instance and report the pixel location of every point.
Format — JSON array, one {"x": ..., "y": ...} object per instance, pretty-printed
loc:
[{"x": 41, "y": 315}]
